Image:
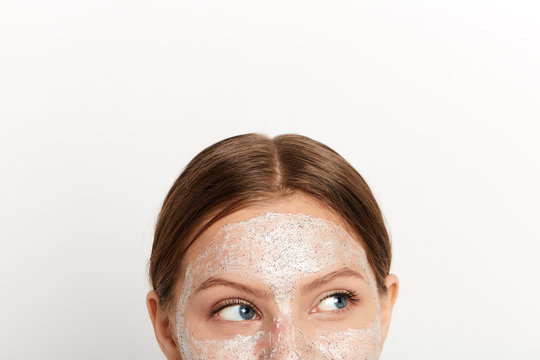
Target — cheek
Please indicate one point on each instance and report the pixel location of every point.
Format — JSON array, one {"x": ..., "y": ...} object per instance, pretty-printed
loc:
[
  {"x": 237, "y": 348},
  {"x": 351, "y": 344}
]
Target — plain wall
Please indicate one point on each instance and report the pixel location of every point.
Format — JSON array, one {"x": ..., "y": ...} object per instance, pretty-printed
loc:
[{"x": 102, "y": 104}]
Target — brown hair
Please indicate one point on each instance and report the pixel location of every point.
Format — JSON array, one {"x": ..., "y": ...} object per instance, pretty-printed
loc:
[{"x": 245, "y": 169}]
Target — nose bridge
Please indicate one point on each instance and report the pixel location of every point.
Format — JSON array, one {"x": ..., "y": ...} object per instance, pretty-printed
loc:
[{"x": 282, "y": 345}]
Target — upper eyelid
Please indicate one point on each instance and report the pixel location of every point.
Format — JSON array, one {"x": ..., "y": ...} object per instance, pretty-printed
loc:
[
  {"x": 231, "y": 302},
  {"x": 217, "y": 281},
  {"x": 335, "y": 292},
  {"x": 328, "y": 278}
]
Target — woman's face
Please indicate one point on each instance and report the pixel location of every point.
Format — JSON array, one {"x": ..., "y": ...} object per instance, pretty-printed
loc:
[{"x": 279, "y": 281}]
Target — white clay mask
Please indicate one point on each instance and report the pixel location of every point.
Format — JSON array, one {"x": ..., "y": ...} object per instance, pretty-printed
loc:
[{"x": 280, "y": 251}]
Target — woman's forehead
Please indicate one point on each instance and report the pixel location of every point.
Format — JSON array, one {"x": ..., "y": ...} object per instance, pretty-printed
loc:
[
  {"x": 278, "y": 244},
  {"x": 269, "y": 231},
  {"x": 296, "y": 203}
]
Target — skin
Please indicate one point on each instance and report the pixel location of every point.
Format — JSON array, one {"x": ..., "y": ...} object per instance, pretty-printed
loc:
[{"x": 287, "y": 322}]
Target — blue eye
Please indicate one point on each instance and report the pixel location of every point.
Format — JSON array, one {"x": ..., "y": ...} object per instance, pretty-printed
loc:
[
  {"x": 239, "y": 312},
  {"x": 333, "y": 302}
]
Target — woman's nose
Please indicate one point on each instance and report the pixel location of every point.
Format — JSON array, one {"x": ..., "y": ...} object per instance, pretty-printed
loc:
[{"x": 282, "y": 343}]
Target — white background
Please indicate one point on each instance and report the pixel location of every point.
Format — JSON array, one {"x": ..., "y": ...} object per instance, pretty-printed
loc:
[{"x": 102, "y": 104}]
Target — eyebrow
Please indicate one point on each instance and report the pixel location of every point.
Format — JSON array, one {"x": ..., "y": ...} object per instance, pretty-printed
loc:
[
  {"x": 219, "y": 281},
  {"x": 322, "y": 280},
  {"x": 261, "y": 294}
]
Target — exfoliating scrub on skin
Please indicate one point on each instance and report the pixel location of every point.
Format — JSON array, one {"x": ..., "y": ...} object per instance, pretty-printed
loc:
[{"x": 308, "y": 272}]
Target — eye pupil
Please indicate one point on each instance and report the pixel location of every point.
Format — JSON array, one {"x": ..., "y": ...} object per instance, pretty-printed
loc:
[{"x": 246, "y": 312}]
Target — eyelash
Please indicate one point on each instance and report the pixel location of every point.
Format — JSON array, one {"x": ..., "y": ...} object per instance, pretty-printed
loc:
[{"x": 350, "y": 295}]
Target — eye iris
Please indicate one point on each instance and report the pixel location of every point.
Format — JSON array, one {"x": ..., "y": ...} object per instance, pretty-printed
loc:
[
  {"x": 333, "y": 302},
  {"x": 246, "y": 312},
  {"x": 340, "y": 301}
]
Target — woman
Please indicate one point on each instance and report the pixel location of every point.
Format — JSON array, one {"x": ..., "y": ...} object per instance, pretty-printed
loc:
[{"x": 270, "y": 249}]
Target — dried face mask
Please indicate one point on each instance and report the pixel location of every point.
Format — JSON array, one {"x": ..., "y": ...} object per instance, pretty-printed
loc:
[{"x": 279, "y": 250}]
